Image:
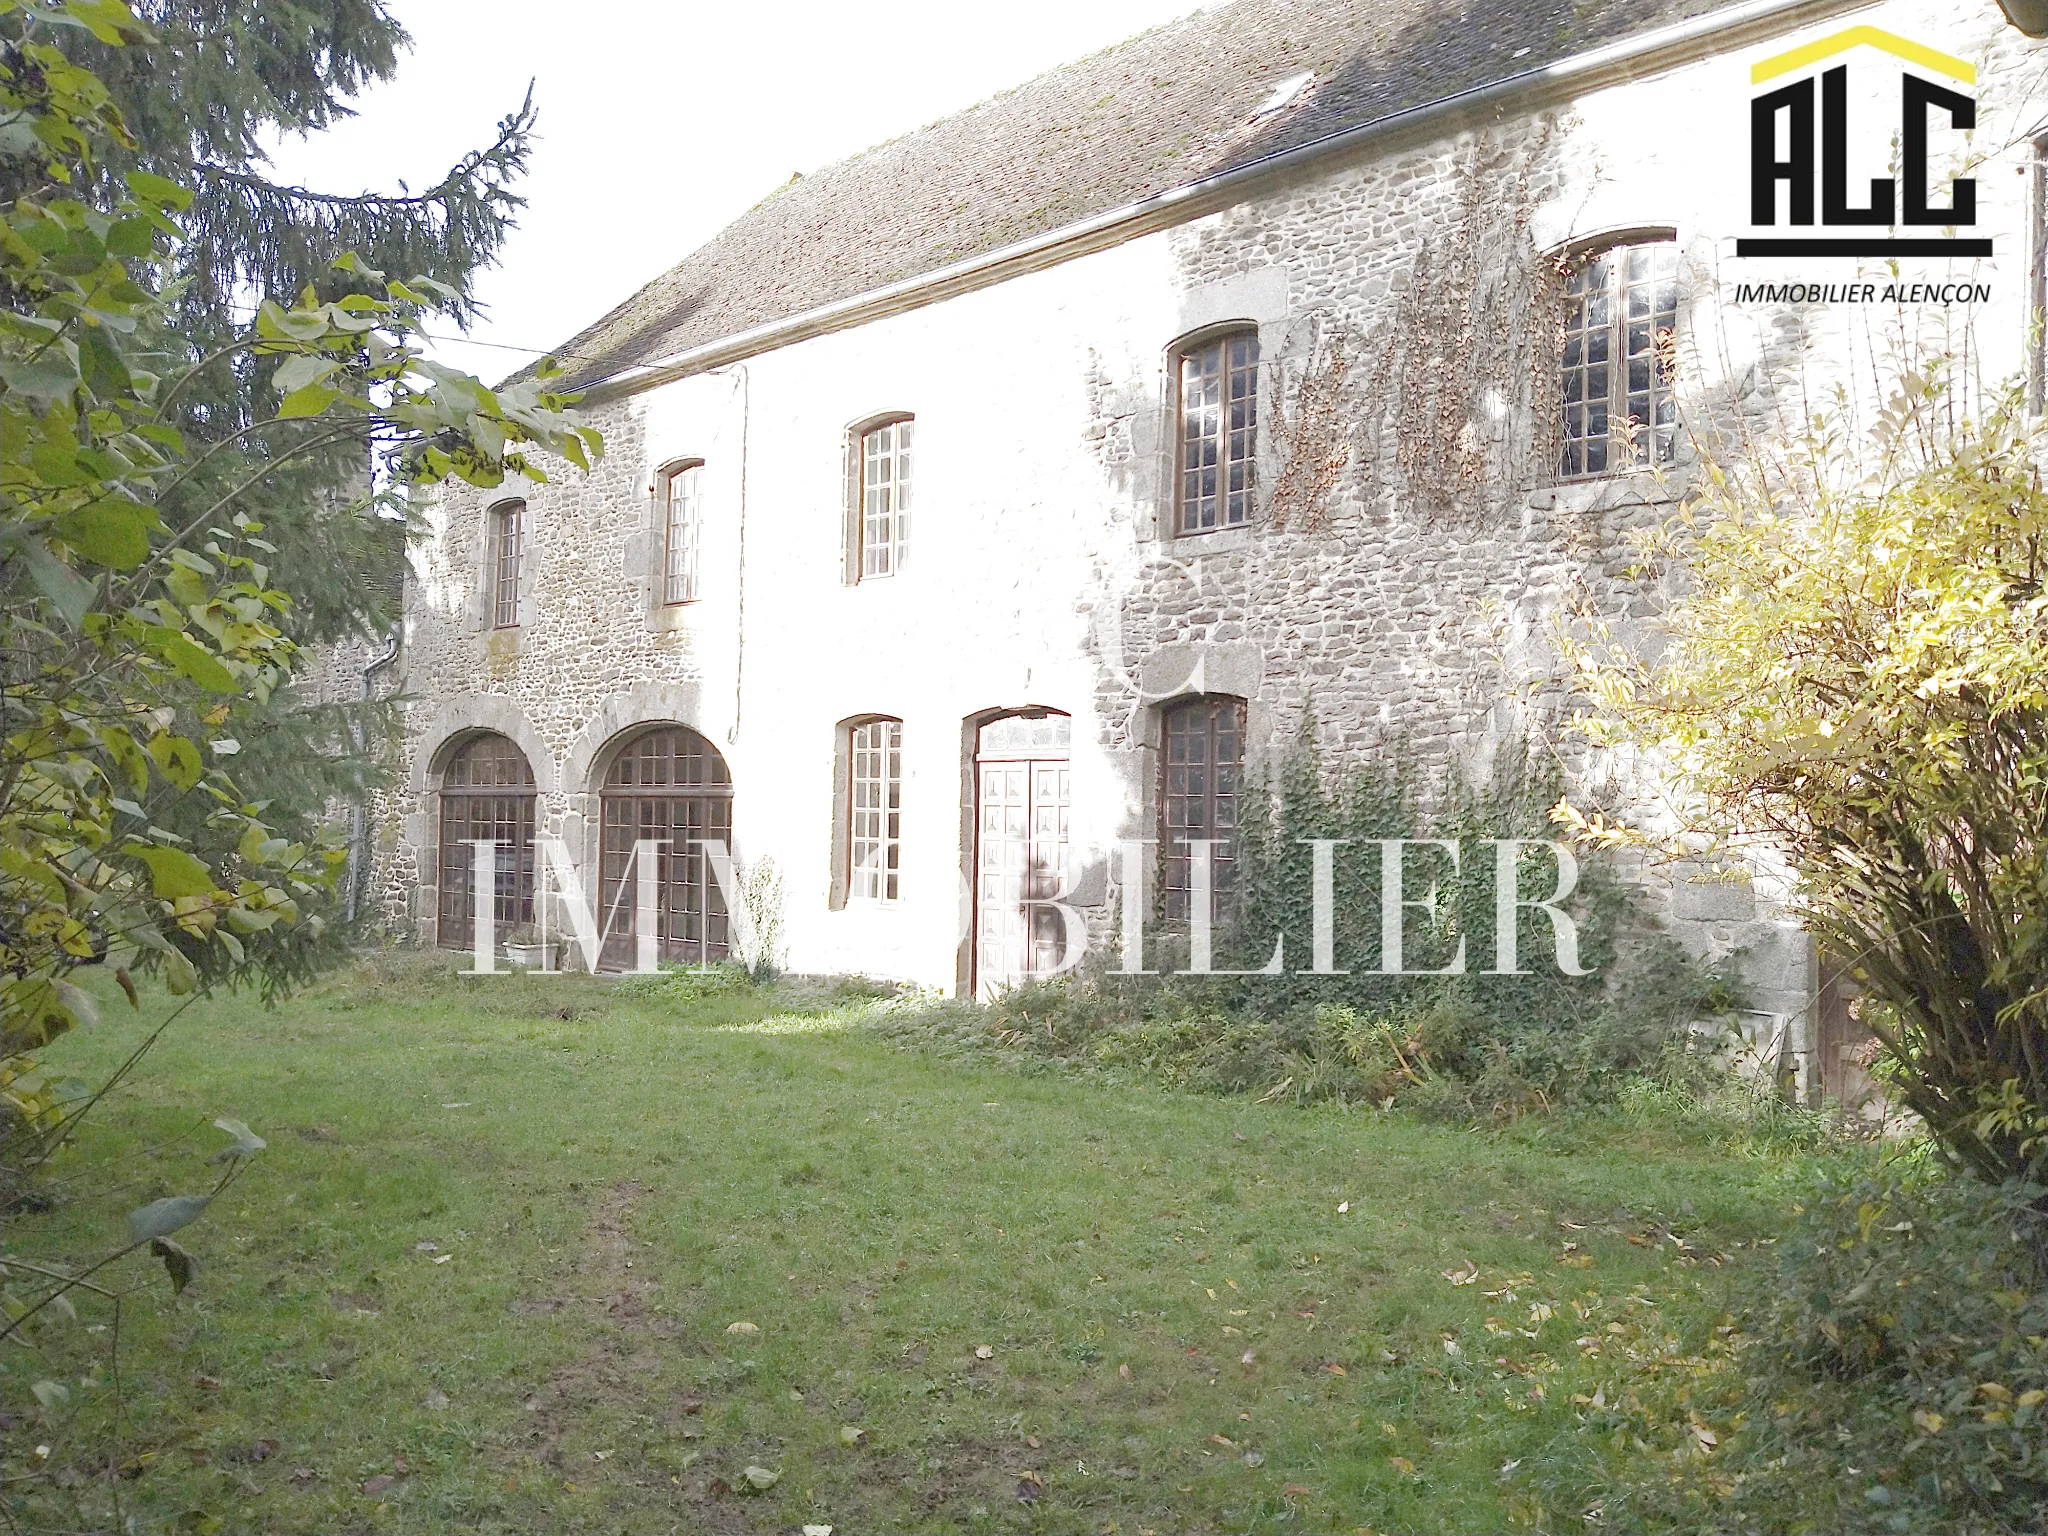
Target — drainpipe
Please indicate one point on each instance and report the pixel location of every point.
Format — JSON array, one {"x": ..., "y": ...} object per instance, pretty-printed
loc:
[{"x": 358, "y": 818}]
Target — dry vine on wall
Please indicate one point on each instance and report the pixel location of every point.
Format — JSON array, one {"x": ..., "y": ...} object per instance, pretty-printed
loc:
[{"x": 1433, "y": 404}]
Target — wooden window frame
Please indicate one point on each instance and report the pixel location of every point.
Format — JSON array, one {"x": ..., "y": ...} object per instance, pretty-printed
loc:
[
  {"x": 1633, "y": 332},
  {"x": 1227, "y": 442},
  {"x": 680, "y": 577},
  {"x": 1175, "y": 868},
  {"x": 872, "y": 558},
  {"x": 508, "y": 561},
  {"x": 874, "y": 831}
]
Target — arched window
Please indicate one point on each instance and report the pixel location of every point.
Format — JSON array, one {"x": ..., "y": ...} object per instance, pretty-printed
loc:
[
  {"x": 1619, "y": 324},
  {"x": 486, "y": 795},
  {"x": 679, "y": 489},
  {"x": 1201, "y": 777},
  {"x": 1218, "y": 438},
  {"x": 881, "y": 504},
  {"x": 874, "y": 810},
  {"x": 668, "y": 786},
  {"x": 508, "y": 557}
]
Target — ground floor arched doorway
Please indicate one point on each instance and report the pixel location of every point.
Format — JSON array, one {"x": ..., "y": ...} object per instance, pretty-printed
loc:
[
  {"x": 487, "y": 795},
  {"x": 670, "y": 786},
  {"x": 1023, "y": 799}
]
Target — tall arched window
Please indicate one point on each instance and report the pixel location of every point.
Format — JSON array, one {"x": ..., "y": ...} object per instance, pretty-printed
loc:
[
  {"x": 1218, "y": 411},
  {"x": 668, "y": 786},
  {"x": 884, "y": 509},
  {"x": 487, "y": 793},
  {"x": 874, "y": 810},
  {"x": 680, "y": 517},
  {"x": 1620, "y": 323},
  {"x": 1201, "y": 777},
  {"x": 508, "y": 559}
]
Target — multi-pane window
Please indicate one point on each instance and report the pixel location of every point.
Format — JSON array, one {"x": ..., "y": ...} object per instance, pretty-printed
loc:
[
  {"x": 1202, "y": 774},
  {"x": 885, "y": 497},
  {"x": 679, "y": 533},
  {"x": 486, "y": 796},
  {"x": 875, "y": 810},
  {"x": 670, "y": 787},
  {"x": 508, "y": 551},
  {"x": 1620, "y": 315},
  {"x": 1219, "y": 432}
]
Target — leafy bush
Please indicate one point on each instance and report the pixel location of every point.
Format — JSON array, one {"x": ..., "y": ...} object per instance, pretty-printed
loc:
[{"x": 1888, "y": 1373}]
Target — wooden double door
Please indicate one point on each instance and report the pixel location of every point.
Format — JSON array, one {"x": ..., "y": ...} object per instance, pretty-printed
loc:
[{"x": 1023, "y": 803}]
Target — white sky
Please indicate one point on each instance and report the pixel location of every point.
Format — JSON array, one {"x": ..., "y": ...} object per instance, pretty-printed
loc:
[{"x": 660, "y": 123}]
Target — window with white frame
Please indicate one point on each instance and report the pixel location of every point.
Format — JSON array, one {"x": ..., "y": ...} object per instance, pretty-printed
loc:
[
  {"x": 1619, "y": 324},
  {"x": 508, "y": 554},
  {"x": 680, "y": 513},
  {"x": 875, "y": 810},
  {"x": 885, "y": 497},
  {"x": 1219, "y": 432}
]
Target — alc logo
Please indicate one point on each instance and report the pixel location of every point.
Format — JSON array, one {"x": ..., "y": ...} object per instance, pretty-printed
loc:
[{"x": 1782, "y": 143}]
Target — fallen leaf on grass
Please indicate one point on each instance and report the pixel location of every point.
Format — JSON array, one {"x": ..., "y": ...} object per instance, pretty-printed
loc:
[
  {"x": 1463, "y": 1276},
  {"x": 1031, "y": 1441},
  {"x": 1333, "y": 1368},
  {"x": 741, "y": 1328},
  {"x": 378, "y": 1484},
  {"x": 1255, "y": 1458},
  {"x": 1124, "y": 1371},
  {"x": 760, "y": 1479},
  {"x": 817, "y": 1530},
  {"x": 1029, "y": 1486},
  {"x": 1294, "y": 1491},
  {"x": 303, "y": 1477},
  {"x": 436, "y": 1399},
  {"x": 851, "y": 1434},
  {"x": 1220, "y": 1440},
  {"x": 1401, "y": 1464},
  {"x": 1247, "y": 1357},
  {"x": 984, "y": 1352}
]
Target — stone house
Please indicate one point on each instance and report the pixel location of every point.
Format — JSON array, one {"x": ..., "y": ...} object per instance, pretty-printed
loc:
[{"x": 1019, "y": 486}]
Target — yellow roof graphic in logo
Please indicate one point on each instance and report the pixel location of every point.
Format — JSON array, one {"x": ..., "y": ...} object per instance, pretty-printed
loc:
[{"x": 1857, "y": 37}]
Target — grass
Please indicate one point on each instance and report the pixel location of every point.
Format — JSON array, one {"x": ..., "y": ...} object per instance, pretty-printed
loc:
[{"x": 488, "y": 1274}]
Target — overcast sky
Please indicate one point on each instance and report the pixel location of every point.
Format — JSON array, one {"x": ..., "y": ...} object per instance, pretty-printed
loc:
[{"x": 661, "y": 122}]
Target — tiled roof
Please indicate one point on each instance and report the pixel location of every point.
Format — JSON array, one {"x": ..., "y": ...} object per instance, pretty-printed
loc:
[{"x": 1166, "y": 108}]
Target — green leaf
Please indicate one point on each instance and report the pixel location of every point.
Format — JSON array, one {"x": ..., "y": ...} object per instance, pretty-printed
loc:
[
  {"x": 108, "y": 20},
  {"x": 310, "y": 401},
  {"x": 51, "y": 1394},
  {"x": 160, "y": 1218},
  {"x": 159, "y": 191},
  {"x": 178, "y": 1264},
  {"x": 111, "y": 532},
  {"x": 202, "y": 666},
  {"x": 48, "y": 375},
  {"x": 132, "y": 239},
  {"x": 69, "y": 593},
  {"x": 307, "y": 368},
  {"x": 178, "y": 759},
  {"x": 173, "y": 872}
]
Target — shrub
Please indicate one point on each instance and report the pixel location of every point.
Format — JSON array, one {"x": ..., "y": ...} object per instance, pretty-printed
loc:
[{"x": 1890, "y": 1372}]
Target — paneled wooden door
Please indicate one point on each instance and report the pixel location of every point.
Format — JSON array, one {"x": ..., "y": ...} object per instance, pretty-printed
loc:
[{"x": 1023, "y": 806}]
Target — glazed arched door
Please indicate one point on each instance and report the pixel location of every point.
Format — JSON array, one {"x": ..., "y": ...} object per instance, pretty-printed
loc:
[
  {"x": 487, "y": 794},
  {"x": 668, "y": 786},
  {"x": 1023, "y": 793}
]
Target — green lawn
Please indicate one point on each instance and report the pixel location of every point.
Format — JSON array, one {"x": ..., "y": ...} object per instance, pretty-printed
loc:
[{"x": 488, "y": 1274}]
